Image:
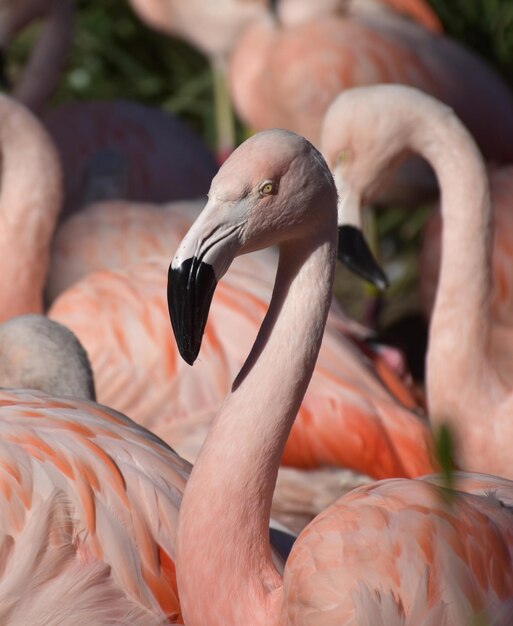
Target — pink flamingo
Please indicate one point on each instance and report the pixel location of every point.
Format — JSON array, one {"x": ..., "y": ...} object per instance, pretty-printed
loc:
[
  {"x": 396, "y": 548},
  {"x": 466, "y": 385},
  {"x": 40, "y": 76},
  {"x": 271, "y": 89}
]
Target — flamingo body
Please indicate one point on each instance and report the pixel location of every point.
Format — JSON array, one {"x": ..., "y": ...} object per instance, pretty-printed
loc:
[
  {"x": 396, "y": 548},
  {"x": 89, "y": 504},
  {"x": 468, "y": 361},
  {"x": 338, "y": 53}
]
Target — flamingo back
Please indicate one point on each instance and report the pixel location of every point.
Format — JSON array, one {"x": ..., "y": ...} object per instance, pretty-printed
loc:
[
  {"x": 90, "y": 495},
  {"x": 411, "y": 550}
]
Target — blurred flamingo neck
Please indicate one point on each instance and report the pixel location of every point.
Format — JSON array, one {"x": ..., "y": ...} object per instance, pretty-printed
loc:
[
  {"x": 461, "y": 314},
  {"x": 223, "y": 533},
  {"x": 43, "y": 70},
  {"x": 30, "y": 200}
]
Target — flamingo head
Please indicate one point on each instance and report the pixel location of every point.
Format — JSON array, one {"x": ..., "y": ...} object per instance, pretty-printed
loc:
[{"x": 274, "y": 188}]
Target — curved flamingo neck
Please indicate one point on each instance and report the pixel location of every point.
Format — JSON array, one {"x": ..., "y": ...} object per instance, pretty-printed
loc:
[
  {"x": 461, "y": 314},
  {"x": 224, "y": 564},
  {"x": 43, "y": 70},
  {"x": 30, "y": 200}
]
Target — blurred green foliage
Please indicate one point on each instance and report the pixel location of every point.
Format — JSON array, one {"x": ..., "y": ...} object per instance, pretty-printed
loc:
[{"x": 485, "y": 26}]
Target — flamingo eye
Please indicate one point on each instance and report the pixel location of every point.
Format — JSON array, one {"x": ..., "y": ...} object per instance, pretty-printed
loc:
[{"x": 266, "y": 188}]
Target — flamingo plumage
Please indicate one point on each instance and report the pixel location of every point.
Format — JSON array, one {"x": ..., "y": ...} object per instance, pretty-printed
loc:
[
  {"x": 89, "y": 505},
  {"x": 397, "y": 545}
]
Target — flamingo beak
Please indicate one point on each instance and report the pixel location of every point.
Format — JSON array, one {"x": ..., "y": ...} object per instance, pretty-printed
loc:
[
  {"x": 190, "y": 288},
  {"x": 354, "y": 252},
  {"x": 201, "y": 260}
]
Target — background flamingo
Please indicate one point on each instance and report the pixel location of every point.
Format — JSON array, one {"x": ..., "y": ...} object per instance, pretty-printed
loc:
[
  {"x": 38, "y": 353},
  {"x": 39, "y": 474},
  {"x": 467, "y": 384},
  {"x": 357, "y": 544},
  {"x": 125, "y": 150},
  {"x": 89, "y": 503},
  {"x": 271, "y": 90}
]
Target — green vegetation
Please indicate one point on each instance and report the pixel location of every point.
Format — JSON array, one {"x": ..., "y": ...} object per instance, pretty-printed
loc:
[{"x": 485, "y": 26}]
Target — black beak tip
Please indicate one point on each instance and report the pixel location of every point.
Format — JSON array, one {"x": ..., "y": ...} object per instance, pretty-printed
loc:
[
  {"x": 354, "y": 252},
  {"x": 190, "y": 288},
  {"x": 189, "y": 356}
]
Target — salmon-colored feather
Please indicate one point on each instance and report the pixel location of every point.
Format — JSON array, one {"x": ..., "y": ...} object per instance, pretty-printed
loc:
[
  {"x": 105, "y": 494},
  {"x": 126, "y": 348}
]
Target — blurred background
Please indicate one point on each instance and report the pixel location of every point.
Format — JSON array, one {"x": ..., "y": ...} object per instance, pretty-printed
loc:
[{"x": 114, "y": 55}]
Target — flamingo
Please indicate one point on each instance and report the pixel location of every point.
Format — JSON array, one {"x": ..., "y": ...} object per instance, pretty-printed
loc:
[
  {"x": 38, "y": 353},
  {"x": 396, "y": 547},
  {"x": 467, "y": 386},
  {"x": 79, "y": 540},
  {"x": 271, "y": 89}
]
